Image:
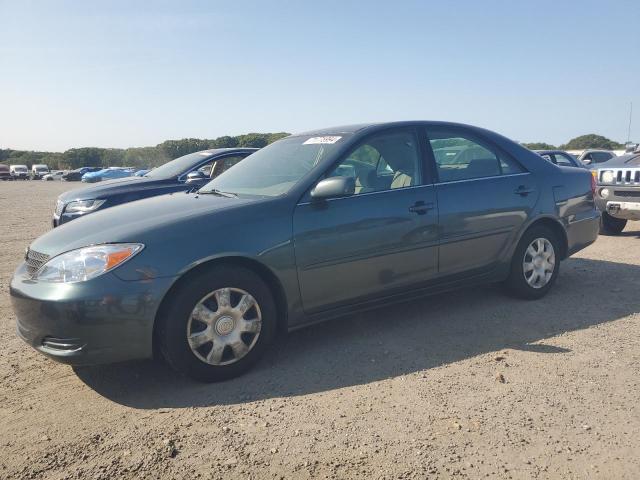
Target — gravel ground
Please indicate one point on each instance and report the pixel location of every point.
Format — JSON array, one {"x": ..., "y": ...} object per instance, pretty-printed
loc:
[{"x": 470, "y": 384}]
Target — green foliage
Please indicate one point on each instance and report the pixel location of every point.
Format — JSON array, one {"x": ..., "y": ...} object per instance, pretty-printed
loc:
[
  {"x": 591, "y": 141},
  {"x": 539, "y": 146},
  {"x": 138, "y": 157}
]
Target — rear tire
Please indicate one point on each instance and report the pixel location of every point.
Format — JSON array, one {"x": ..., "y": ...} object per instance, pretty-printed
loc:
[
  {"x": 610, "y": 225},
  {"x": 535, "y": 264},
  {"x": 203, "y": 334}
]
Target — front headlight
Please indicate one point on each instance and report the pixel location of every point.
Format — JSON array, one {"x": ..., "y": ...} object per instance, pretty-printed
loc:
[
  {"x": 83, "y": 206},
  {"x": 86, "y": 263},
  {"x": 607, "y": 176}
]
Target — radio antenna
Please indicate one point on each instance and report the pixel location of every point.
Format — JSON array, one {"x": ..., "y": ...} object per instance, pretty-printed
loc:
[{"x": 630, "y": 115}]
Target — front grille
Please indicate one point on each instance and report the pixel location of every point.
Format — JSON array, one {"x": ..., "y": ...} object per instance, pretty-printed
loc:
[
  {"x": 621, "y": 176},
  {"x": 35, "y": 260},
  {"x": 59, "y": 208},
  {"x": 626, "y": 193}
]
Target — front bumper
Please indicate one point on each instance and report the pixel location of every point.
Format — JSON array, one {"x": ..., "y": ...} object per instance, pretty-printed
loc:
[
  {"x": 624, "y": 210},
  {"x": 622, "y": 203},
  {"x": 104, "y": 320}
]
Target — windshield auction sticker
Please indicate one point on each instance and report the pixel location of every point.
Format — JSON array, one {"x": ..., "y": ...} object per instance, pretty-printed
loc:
[{"x": 320, "y": 140}]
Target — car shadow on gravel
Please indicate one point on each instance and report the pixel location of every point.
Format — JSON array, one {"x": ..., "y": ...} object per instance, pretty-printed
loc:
[{"x": 393, "y": 341}]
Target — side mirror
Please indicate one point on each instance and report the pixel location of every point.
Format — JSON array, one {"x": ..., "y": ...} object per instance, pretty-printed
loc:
[
  {"x": 334, "y": 187},
  {"x": 586, "y": 161},
  {"x": 196, "y": 176}
]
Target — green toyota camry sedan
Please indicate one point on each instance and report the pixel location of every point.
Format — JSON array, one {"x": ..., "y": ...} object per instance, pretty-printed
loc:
[{"x": 314, "y": 226}]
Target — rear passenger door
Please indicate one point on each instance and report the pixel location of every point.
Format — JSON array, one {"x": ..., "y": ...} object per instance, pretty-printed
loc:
[{"x": 484, "y": 196}]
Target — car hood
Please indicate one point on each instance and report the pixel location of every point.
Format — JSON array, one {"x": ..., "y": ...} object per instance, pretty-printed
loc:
[
  {"x": 166, "y": 218},
  {"x": 110, "y": 187},
  {"x": 615, "y": 164}
]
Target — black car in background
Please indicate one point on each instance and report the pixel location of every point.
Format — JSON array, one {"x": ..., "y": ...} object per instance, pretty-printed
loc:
[
  {"x": 560, "y": 158},
  {"x": 185, "y": 173},
  {"x": 76, "y": 175}
]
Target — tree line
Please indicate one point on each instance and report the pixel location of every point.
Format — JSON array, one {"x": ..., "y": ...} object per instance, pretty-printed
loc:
[
  {"x": 579, "y": 143},
  {"x": 137, "y": 157},
  {"x": 149, "y": 157}
]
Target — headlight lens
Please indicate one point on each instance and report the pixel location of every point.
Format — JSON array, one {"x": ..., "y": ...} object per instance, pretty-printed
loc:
[
  {"x": 86, "y": 263},
  {"x": 83, "y": 206},
  {"x": 607, "y": 176}
]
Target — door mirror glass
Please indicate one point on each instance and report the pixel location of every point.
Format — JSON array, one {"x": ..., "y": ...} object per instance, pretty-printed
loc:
[
  {"x": 586, "y": 161},
  {"x": 334, "y": 187},
  {"x": 196, "y": 176}
]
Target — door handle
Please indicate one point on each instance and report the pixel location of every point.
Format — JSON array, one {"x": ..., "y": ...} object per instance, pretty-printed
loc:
[
  {"x": 524, "y": 191},
  {"x": 421, "y": 207}
]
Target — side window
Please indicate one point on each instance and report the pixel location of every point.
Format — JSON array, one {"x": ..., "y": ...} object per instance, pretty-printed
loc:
[
  {"x": 460, "y": 156},
  {"x": 383, "y": 162},
  {"x": 224, "y": 164},
  {"x": 206, "y": 169},
  {"x": 599, "y": 157},
  {"x": 562, "y": 161}
]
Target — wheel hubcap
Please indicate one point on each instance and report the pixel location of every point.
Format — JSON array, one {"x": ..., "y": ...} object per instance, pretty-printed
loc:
[
  {"x": 539, "y": 262},
  {"x": 224, "y": 326}
]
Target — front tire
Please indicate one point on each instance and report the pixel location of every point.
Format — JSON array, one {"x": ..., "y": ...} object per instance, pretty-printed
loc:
[
  {"x": 217, "y": 324},
  {"x": 535, "y": 264},
  {"x": 611, "y": 225}
]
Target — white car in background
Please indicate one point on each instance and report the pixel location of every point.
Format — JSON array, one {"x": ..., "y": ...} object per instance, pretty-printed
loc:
[
  {"x": 54, "y": 175},
  {"x": 592, "y": 156},
  {"x": 19, "y": 172},
  {"x": 38, "y": 171}
]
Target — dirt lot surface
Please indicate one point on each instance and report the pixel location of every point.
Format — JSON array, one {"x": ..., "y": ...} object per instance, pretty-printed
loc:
[{"x": 471, "y": 384}]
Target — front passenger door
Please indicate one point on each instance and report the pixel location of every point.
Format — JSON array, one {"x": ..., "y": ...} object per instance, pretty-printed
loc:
[{"x": 377, "y": 242}]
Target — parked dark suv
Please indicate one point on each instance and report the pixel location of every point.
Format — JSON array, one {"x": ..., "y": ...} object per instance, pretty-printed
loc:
[
  {"x": 184, "y": 173},
  {"x": 316, "y": 225},
  {"x": 5, "y": 174}
]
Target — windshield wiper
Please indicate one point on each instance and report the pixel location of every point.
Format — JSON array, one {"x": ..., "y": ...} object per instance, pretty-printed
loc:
[{"x": 220, "y": 193}]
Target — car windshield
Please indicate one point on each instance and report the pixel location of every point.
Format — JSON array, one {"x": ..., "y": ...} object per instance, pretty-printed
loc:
[
  {"x": 276, "y": 168},
  {"x": 178, "y": 166}
]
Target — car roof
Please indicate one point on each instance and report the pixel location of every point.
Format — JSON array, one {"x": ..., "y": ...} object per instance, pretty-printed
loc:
[
  {"x": 359, "y": 127},
  {"x": 215, "y": 151}
]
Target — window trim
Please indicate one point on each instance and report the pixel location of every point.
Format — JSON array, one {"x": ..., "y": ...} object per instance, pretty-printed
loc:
[
  {"x": 360, "y": 195},
  {"x": 482, "y": 142}
]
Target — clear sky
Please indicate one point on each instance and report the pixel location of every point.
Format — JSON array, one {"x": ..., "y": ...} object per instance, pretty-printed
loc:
[{"x": 135, "y": 73}]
